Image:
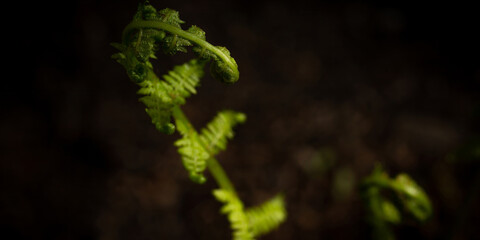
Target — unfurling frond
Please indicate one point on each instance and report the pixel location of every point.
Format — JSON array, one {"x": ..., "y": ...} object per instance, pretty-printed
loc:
[
  {"x": 152, "y": 30},
  {"x": 268, "y": 216},
  {"x": 214, "y": 136}
]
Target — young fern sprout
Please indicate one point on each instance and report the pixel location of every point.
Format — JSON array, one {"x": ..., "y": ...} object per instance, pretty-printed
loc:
[
  {"x": 406, "y": 194},
  {"x": 151, "y": 31}
]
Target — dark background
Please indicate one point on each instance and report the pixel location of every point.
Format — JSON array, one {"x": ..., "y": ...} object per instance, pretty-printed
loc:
[{"x": 329, "y": 89}]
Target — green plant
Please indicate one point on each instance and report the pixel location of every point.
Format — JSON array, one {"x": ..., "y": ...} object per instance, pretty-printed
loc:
[
  {"x": 151, "y": 31},
  {"x": 405, "y": 195}
]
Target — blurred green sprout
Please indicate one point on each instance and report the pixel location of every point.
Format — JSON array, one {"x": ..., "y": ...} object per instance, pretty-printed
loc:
[{"x": 405, "y": 196}]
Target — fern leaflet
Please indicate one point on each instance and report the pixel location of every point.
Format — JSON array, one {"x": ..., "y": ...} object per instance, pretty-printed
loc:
[
  {"x": 236, "y": 215},
  {"x": 194, "y": 156},
  {"x": 266, "y": 217},
  {"x": 214, "y": 136},
  {"x": 160, "y": 96},
  {"x": 253, "y": 222}
]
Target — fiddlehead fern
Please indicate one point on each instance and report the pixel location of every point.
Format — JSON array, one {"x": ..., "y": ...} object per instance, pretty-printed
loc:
[
  {"x": 151, "y": 31},
  {"x": 408, "y": 196}
]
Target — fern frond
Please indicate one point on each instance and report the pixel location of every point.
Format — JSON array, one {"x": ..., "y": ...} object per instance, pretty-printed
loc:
[
  {"x": 233, "y": 207},
  {"x": 214, "y": 136},
  {"x": 194, "y": 156},
  {"x": 151, "y": 30},
  {"x": 160, "y": 96},
  {"x": 268, "y": 216},
  {"x": 194, "y": 147}
]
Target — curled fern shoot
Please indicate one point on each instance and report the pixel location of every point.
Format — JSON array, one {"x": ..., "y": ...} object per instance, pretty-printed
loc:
[
  {"x": 408, "y": 196},
  {"x": 151, "y": 31}
]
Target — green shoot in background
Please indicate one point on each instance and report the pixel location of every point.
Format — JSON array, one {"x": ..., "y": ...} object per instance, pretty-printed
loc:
[
  {"x": 407, "y": 197},
  {"x": 151, "y": 31}
]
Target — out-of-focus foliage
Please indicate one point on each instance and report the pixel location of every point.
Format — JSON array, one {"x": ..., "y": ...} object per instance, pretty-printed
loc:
[{"x": 406, "y": 195}]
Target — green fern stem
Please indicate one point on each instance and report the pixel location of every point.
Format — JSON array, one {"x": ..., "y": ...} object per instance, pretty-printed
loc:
[
  {"x": 212, "y": 164},
  {"x": 220, "y": 176},
  {"x": 144, "y": 24}
]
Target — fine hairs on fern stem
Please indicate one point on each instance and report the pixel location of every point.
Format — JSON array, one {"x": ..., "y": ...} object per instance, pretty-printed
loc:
[{"x": 151, "y": 31}]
